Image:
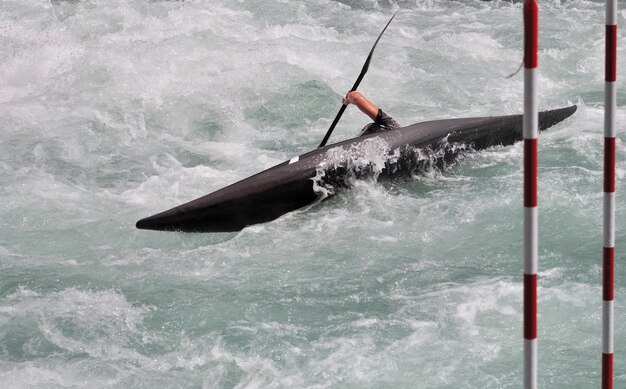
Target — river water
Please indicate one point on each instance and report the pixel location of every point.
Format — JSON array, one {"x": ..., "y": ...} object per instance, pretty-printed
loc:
[{"x": 115, "y": 110}]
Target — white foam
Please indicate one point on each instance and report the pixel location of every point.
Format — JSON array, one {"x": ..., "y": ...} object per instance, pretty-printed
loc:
[{"x": 4, "y": 252}]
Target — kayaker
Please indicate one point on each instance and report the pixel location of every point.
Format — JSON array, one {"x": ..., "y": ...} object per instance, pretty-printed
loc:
[{"x": 382, "y": 121}]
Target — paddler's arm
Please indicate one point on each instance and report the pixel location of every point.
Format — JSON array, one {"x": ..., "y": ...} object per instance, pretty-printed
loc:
[{"x": 366, "y": 106}]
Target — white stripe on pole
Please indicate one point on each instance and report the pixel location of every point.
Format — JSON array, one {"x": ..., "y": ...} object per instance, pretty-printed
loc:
[
  {"x": 531, "y": 117},
  {"x": 610, "y": 97},
  {"x": 531, "y": 244},
  {"x": 611, "y": 12},
  {"x": 607, "y": 333},
  {"x": 609, "y": 219},
  {"x": 530, "y": 361}
]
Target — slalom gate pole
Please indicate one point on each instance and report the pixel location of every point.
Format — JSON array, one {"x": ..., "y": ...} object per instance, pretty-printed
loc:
[
  {"x": 530, "y": 132},
  {"x": 608, "y": 252}
]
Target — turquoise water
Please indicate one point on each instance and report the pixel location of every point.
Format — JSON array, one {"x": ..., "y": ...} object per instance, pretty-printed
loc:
[{"x": 115, "y": 110}]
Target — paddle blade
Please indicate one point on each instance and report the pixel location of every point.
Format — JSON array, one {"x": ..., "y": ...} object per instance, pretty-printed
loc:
[{"x": 356, "y": 84}]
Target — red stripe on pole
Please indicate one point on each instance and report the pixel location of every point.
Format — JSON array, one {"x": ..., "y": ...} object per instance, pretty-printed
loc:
[
  {"x": 607, "y": 371},
  {"x": 608, "y": 274},
  {"x": 530, "y": 306},
  {"x": 530, "y": 172},
  {"x": 609, "y": 164},
  {"x": 531, "y": 34},
  {"x": 610, "y": 66}
]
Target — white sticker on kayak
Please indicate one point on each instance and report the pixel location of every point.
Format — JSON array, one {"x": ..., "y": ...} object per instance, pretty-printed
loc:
[{"x": 294, "y": 160}]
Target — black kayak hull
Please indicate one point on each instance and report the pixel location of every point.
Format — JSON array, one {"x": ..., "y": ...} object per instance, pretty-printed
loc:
[{"x": 289, "y": 186}]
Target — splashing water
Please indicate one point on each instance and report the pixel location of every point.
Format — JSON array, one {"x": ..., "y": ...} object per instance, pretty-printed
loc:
[{"x": 373, "y": 158}]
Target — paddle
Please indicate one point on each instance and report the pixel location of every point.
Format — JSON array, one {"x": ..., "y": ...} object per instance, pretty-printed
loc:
[{"x": 356, "y": 84}]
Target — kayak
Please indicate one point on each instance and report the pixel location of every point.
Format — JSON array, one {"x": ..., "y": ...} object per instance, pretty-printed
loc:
[{"x": 303, "y": 179}]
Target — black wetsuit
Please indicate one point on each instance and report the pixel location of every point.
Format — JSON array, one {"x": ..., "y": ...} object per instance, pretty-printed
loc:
[{"x": 383, "y": 122}]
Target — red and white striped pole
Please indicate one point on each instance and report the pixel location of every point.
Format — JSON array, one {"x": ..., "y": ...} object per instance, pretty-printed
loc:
[
  {"x": 530, "y": 132},
  {"x": 608, "y": 254}
]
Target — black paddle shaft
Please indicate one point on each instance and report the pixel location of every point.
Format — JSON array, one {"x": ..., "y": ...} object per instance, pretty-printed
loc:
[{"x": 356, "y": 84}]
